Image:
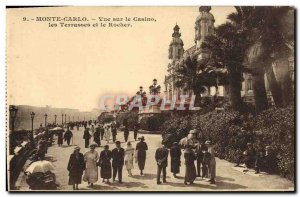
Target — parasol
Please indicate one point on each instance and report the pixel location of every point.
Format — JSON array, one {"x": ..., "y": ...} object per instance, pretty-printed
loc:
[
  {"x": 40, "y": 166},
  {"x": 56, "y": 129}
]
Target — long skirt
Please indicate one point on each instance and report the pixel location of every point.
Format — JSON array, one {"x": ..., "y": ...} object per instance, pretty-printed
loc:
[
  {"x": 190, "y": 172},
  {"x": 175, "y": 165},
  {"x": 141, "y": 162},
  {"x": 105, "y": 171},
  {"x": 129, "y": 164},
  {"x": 75, "y": 178}
]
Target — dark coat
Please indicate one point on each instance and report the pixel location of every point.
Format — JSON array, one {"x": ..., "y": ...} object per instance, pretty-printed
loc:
[
  {"x": 118, "y": 157},
  {"x": 190, "y": 169},
  {"x": 175, "y": 154},
  {"x": 104, "y": 163},
  {"x": 97, "y": 136},
  {"x": 141, "y": 147},
  {"x": 86, "y": 134},
  {"x": 161, "y": 157},
  {"x": 60, "y": 137},
  {"x": 68, "y": 135},
  {"x": 75, "y": 167}
]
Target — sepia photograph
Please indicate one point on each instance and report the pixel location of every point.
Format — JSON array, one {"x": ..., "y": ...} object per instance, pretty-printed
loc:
[{"x": 150, "y": 99}]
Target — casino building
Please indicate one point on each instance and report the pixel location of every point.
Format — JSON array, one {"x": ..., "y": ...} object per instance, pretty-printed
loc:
[{"x": 204, "y": 26}]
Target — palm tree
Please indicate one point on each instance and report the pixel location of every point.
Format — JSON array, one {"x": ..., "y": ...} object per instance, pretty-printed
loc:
[
  {"x": 190, "y": 76},
  {"x": 227, "y": 49},
  {"x": 270, "y": 40}
]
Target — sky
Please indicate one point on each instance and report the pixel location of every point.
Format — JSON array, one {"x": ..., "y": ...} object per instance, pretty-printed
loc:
[{"x": 73, "y": 67}]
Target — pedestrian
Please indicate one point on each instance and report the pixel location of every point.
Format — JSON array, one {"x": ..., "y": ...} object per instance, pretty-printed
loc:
[
  {"x": 118, "y": 154},
  {"x": 141, "y": 148},
  {"x": 212, "y": 162},
  {"x": 76, "y": 168},
  {"x": 68, "y": 135},
  {"x": 107, "y": 133},
  {"x": 129, "y": 156},
  {"x": 161, "y": 157},
  {"x": 175, "y": 154},
  {"x": 97, "y": 139},
  {"x": 91, "y": 170},
  {"x": 135, "y": 132},
  {"x": 102, "y": 131},
  {"x": 105, "y": 164},
  {"x": 126, "y": 133},
  {"x": 259, "y": 161},
  {"x": 114, "y": 132},
  {"x": 270, "y": 160},
  {"x": 190, "y": 169},
  {"x": 92, "y": 130},
  {"x": 199, "y": 155},
  {"x": 86, "y": 136},
  {"x": 60, "y": 138},
  {"x": 249, "y": 157}
]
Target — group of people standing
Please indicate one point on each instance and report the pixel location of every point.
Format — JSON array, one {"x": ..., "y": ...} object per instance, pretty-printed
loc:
[
  {"x": 101, "y": 132},
  {"x": 110, "y": 162},
  {"x": 64, "y": 136},
  {"x": 203, "y": 154}
]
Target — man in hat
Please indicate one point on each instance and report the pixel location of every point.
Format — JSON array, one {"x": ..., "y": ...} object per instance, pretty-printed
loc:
[
  {"x": 141, "y": 148},
  {"x": 118, "y": 161},
  {"x": 212, "y": 162},
  {"x": 68, "y": 135},
  {"x": 161, "y": 157}
]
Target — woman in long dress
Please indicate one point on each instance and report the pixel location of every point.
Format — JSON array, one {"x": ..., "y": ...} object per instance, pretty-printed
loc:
[
  {"x": 175, "y": 154},
  {"x": 91, "y": 170},
  {"x": 105, "y": 164},
  {"x": 190, "y": 169},
  {"x": 107, "y": 133},
  {"x": 60, "y": 138},
  {"x": 129, "y": 155},
  {"x": 76, "y": 168}
]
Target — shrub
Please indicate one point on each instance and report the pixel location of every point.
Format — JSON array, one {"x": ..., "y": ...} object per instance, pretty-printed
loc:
[
  {"x": 129, "y": 119},
  {"x": 230, "y": 131},
  {"x": 105, "y": 118},
  {"x": 152, "y": 123}
]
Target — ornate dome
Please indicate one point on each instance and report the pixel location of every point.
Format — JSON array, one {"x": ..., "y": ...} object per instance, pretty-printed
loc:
[
  {"x": 205, "y": 14},
  {"x": 176, "y": 36}
]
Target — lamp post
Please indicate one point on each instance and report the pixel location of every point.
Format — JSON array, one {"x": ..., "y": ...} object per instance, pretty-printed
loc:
[
  {"x": 62, "y": 119},
  {"x": 46, "y": 119},
  {"x": 55, "y": 116},
  {"x": 31, "y": 136},
  {"x": 65, "y": 118},
  {"x": 69, "y": 118},
  {"x": 12, "y": 114}
]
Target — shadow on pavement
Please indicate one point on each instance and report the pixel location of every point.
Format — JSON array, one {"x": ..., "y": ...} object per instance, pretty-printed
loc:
[
  {"x": 219, "y": 178},
  {"x": 131, "y": 184},
  {"x": 146, "y": 177},
  {"x": 218, "y": 185},
  {"x": 101, "y": 187}
]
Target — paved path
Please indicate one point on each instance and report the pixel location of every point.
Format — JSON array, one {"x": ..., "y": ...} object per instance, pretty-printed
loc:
[{"x": 228, "y": 177}]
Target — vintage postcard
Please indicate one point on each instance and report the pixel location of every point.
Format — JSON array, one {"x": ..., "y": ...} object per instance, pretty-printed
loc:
[{"x": 150, "y": 99}]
